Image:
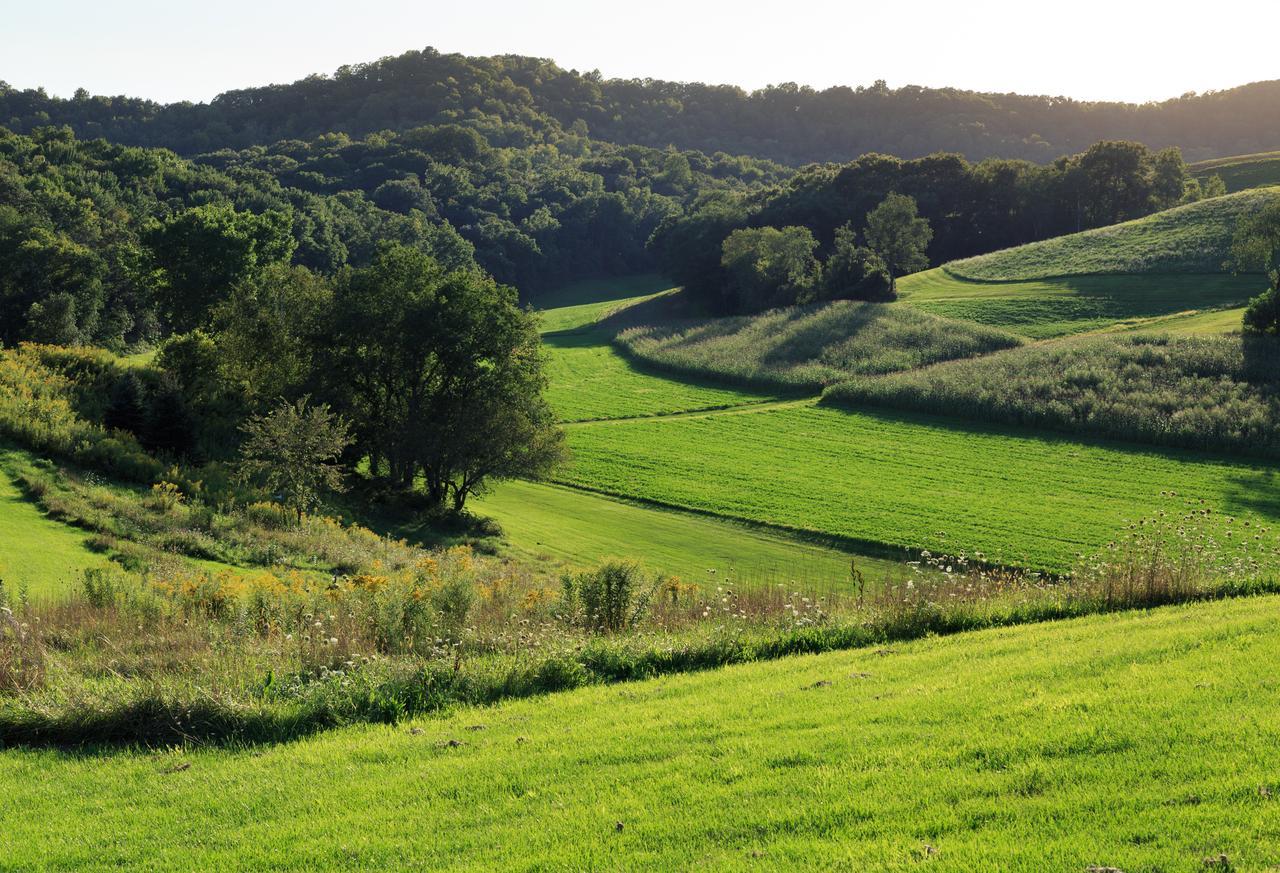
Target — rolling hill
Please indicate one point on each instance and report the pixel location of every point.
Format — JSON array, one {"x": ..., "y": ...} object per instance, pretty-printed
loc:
[
  {"x": 1242, "y": 171},
  {"x": 1169, "y": 263},
  {"x": 1140, "y": 741}
]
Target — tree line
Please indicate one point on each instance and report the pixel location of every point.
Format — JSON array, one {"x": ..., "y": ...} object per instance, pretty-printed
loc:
[
  {"x": 788, "y": 123},
  {"x": 967, "y": 209}
]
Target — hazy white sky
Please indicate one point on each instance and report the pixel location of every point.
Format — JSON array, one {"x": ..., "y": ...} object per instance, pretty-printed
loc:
[{"x": 1117, "y": 50}]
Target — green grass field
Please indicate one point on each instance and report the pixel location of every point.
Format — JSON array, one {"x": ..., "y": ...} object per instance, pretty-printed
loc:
[
  {"x": 581, "y": 304},
  {"x": 555, "y": 525},
  {"x": 37, "y": 554},
  {"x": 1142, "y": 741},
  {"x": 1242, "y": 171},
  {"x": 1195, "y": 238},
  {"x": 1046, "y": 308},
  {"x": 589, "y": 379},
  {"x": 908, "y": 481}
]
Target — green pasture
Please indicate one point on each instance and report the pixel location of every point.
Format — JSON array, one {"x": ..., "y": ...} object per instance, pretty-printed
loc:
[
  {"x": 551, "y": 525},
  {"x": 1195, "y": 238},
  {"x": 1242, "y": 171},
  {"x": 908, "y": 481}
]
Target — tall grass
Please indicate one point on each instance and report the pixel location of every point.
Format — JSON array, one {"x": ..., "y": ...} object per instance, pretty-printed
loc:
[
  {"x": 205, "y": 658},
  {"x": 1209, "y": 393},
  {"x": 140, "y": 528},
  {"x": 808, "y": 347}
]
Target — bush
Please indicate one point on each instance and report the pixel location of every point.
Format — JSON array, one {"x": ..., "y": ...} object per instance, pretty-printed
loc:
[
  {"x": 610, "y": 598},
  {"x": 1263, "y": 314},
  {"x": 44, "y": 395}
]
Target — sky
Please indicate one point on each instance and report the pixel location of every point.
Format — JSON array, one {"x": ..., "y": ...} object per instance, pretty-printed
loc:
[{"x": 1116, "y": 50}]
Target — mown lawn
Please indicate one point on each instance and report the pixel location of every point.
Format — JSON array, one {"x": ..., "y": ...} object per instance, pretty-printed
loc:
[
  {"x": 41, "y": 556},
  {"x": 581, "y": 304},
  {"x": 907, "y": 480},
  {"x": 590, "y": 380},
  {"x": 552, "y": 525},
  {"x": 1044, "y": 308},
  {"x": 1141, "y": 741}
]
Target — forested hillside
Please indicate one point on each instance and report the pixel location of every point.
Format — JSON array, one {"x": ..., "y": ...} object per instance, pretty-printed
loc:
[
  {"x": 94, "y": 235},
  {"x": 786, "y": 122}
]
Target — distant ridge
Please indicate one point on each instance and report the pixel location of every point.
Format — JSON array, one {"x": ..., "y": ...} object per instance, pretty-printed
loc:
[{"x": 787, "y": 123}]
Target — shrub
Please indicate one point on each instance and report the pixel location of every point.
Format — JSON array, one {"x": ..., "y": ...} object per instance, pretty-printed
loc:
[
  {"x": 22, "y": 663},
  {"x": 610, "y": 598},
  {"x": 101, "y": 587}
]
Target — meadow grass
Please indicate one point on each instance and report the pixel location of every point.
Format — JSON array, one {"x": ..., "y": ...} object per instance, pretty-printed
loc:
[
  {"x": 1242, "y": 171},
  {"x": 808, "y": 347},
  {"x": 890, "y": 483},
  {"x": 1201, "y": 392},
  {"x": 1195, "y": 238},
  {"x": 1046, "y": 308},
  {"x": 1139, "y": 741},
  {"x": 551, "y": 526}
]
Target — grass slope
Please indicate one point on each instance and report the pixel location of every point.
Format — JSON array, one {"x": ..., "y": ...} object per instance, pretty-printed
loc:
[
  {"x": 1209, "y": 393},
  {"x": 551, "y": 523},
  {"x": 1044, "y": 308},
  {"x": 808, "y": 347},
  {"x": 907, "y": 480},
  {"x": 590, "y": 380},
  {"x": 1142, "y": 741},
  {"x": 1195, "y": 238},
  {"x": 37, "y": 553},
  {"x": 1242, "y": 171}
]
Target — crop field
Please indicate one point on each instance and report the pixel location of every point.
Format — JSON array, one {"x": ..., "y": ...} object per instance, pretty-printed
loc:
[
  {"x": 1146, "y": 739},
  {"x": 577, "y": 529},
  {"x": 1242, "y": 171},
  {"x": 1200, "y": 392},
  {"x": 811, "y": 346},
  {"x": 1195, "y": 238},
  {"x": 905, "y": 481},
  {"x": 1046, "y": 308}
]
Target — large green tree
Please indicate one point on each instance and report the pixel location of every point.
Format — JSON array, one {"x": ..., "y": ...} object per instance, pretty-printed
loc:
[
  {"x": 896, "y": 232},
  {"x": 854, "y": 271},
  {"x": 440, "y": 373},
  {"x": 770, "y": 267}
]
